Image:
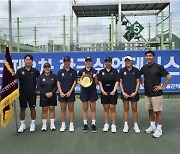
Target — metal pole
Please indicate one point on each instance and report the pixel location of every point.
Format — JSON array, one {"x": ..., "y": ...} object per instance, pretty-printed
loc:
[
  {"x": 149, "y": 31},
  {"x": 112, "y": 33},
  {"x": 35, "y": 39},
  {"x": 109, "y": 33},
  {"x": 15, "y": 112},
  {"x": 64, "y": 33},
  {"x": 162, "y": 30},
  {"x": 18, "y": 36},
  {"x": 0, "y": 42},
  {"x": 10, "y": 26}
]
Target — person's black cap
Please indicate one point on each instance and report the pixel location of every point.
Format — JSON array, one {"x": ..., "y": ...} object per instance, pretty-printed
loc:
[
  {"x": 88, "y": 58},
  {"x": 47, "y": 65},
  {"x": 67, "y": 58},
  {"x": 108, "y": 59}
]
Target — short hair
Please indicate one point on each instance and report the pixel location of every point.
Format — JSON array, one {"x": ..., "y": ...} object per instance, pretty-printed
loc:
[
  {"x": 150, "y": 51},
  {"x": 28, "y": 55}
]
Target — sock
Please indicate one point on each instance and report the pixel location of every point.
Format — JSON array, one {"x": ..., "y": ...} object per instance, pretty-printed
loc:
[
  {"x": 85, "y": 122},
  {"x": 33, "y": 121},
  {"x": 125, "y": 123},
  {"x": 71, "y": 123},
  {"x": 93, "y": 122},
  {"x": 153, "y": 124},
  {"x": 159, "y": 127},
  {"x": 52, "y": 121},
  {"x": 44, "y": 121},
  {"x": 135, "y": 124},
  {"x": 22, "y": 121},
  {"x": 63, "y": 124}
]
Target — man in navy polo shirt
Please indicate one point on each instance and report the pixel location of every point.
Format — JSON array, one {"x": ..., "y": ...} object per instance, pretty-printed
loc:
[
  {"x": 129, "y": 84},
  {"x": 27, "y": 76},
  {"x": 153, "y": 92}
]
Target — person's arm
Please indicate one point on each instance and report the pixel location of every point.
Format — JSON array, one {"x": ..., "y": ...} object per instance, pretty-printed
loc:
[
  {"x": 115, "y": 88},
  {"x": 68, "y": 94},
  {"x": 55, "y": 85},
  {"x": 95, "y": 78},
  {"x": 102, "y": 89},
  {"x": 137, "y": 88},
  {"x": 122, "y": 89},
  {"x": 161, "y": 87},
  {"x": 60, "y": 90},
  {"x": 40, "y": 87}
]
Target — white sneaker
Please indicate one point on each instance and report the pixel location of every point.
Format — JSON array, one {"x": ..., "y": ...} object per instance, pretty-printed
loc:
[
  {"x": 32, "y": 127},
  {"x": 22, "y": 128},
  {"x": 52, "y": 127},
  {"x": 71, "y": 128},
  {"x": 126, "y": 129},
  {"x": 44, "y": 127},
  {"x": 157, "y": 133},
  {"x": 106, "y": 128},
  {"x": 63, "y": 128},
  {"x": 150, "y": 130},
  {"x": 136, "y": 129},
  {"x": 113, "y": 128}
]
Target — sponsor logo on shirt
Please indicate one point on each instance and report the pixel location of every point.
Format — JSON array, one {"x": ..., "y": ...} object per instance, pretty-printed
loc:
[
  {"x": 23, "y": 72},
  {"x": 103, "y": 73},
  {"x": 52, "y": 79},
  {"x": 84, "y": 73},
  {"x": 62, "y": 74},
  {"x": 44, "y": 79},
  {"x": 125, "y": 73}
]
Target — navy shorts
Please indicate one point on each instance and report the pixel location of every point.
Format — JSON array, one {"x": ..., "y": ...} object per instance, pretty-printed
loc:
[
  {"x": 44, "y": 101},
  {"x": 135, "y": 99},
  {"x": 27, "y": 99},
  {"x": 109, "y": 99},
  {"x": 67, "y": 99},
  {"x": 89, "y": 95}
]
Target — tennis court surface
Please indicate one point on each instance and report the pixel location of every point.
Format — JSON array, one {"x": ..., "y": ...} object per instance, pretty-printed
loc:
[{"x": 95, "y": 143}]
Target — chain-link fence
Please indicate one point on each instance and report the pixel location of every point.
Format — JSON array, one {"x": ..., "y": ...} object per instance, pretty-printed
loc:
[{"x": 92, "y": 33}]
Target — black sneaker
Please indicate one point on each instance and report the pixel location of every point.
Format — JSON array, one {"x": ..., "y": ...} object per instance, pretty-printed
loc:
[
  {"x": 85, "y": 129},
  {"x": 94, "y": 129}
]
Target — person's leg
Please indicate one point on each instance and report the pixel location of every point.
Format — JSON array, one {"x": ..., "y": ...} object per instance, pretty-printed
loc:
[
  {"x": 71, "y": 116},
  {"x": 126, "y": 116},
  {"x": 106, "y": 113},
  {"x": 85, "y": 106},
  {"x": 113, "y": 113},
  {"x": 71, "y": 111},
  {"x": 93, "y": 111},
  {"x": 126, "y": 111},
  {"x": 134, "y": 111},
  {"x": 33, "y": 113},
  {"x": 63, "y": 116},
  {"x": 63, "y": 111},
  {"x": 22, "y": 113},
  {"x": 44, "y": 118},
  {"x": 52, "y": 117}
]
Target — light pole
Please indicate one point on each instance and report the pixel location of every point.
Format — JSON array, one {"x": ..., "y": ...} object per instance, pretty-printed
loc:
[{"x": 10, "y": 25}]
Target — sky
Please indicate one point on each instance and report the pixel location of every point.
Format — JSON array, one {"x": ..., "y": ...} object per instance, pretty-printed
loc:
[
  {"x": 46, "y": 8},
  {"x": 39, "y": 8}
]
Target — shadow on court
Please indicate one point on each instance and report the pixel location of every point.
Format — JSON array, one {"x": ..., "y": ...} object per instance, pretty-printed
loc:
[{"x": 95, "y": 143}]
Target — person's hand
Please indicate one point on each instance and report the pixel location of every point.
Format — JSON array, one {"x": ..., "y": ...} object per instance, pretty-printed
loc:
[
  {"x": 157, "y": 88},
  {"x": 94, "y": 75},
  {"x": 112, "y": 93},
  {"x": 104, "y": 93},
  {"x": 49, "y": 95},
  {"x": 62, "y": 94},
  {"x": 133, "y": 94},
  {"x": 126, "y": 96},
  {"x": 68, "y": 94}
]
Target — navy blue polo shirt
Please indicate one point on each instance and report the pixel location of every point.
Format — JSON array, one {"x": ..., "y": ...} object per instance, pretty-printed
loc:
[
  {"x": 90, "y": 72},
  {"x": 27, "y": 80},
  {"x": 108, "y": 79},
  {"x": 47, "y": 84},
  {"x": 152, "y": 77},
  {"x": 129, "y": 78},
  {"x": 66, "y": 79}
]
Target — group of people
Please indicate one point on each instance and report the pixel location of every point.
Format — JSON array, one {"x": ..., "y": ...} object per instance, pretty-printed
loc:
[{"x": 108, "y": 79}]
